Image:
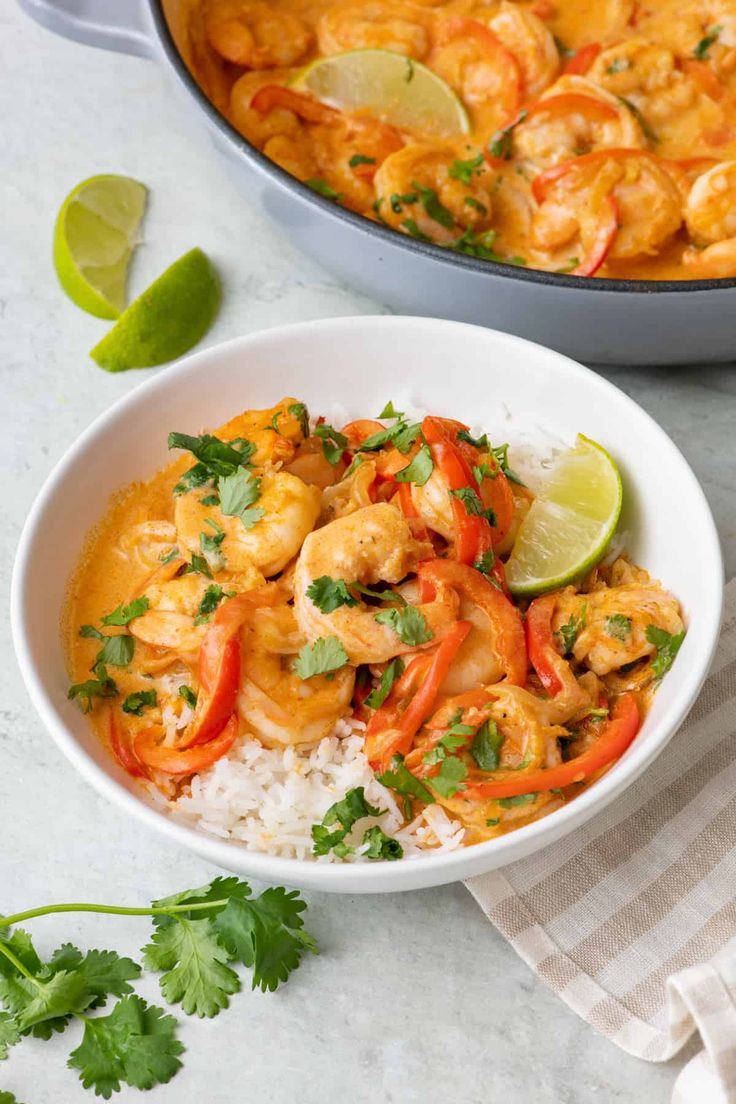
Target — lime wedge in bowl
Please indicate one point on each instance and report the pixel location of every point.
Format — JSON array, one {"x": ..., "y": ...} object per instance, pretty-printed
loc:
[
  {"x": 166, "y": 320},
  {"x": 95, "y": 234},
  {"x": 392, "y": 87},
  {"x": 570, "y": 522}
]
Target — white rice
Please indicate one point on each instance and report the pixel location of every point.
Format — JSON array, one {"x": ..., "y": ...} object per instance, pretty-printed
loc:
[{"x": 268, "y": 799}]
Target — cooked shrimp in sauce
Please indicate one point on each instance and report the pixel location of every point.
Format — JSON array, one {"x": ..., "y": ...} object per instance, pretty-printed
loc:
[
  {"x": 537, "y": 87},
  {"x": 285, "y": 585}
]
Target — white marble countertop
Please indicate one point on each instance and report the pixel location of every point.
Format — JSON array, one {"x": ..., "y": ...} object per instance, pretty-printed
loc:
[{"x": 414, "y": 996}]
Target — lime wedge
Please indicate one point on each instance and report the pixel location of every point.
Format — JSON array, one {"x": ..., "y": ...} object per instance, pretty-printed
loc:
[
  {"x": 390, "y": 86},
  {"x": 569, "y": 523},
  {"x": 166, "y": 320},
  {"x": 95, "y": 234}
]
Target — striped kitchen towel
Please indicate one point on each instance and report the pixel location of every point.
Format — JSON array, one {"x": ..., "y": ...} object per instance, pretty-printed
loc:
[{"x": 632, "y": 918}]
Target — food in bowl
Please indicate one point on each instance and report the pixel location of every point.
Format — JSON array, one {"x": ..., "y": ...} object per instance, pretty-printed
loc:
[
  {"x": 306, "y": 640},
  {"x": 597, "y": 140}
]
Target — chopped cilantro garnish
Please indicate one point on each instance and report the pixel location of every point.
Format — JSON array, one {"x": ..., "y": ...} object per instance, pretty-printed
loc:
[
  {"x": 117, "y": 652},
  {"x": 400, "y": 779},
  {"x": 399, "y": 201},
  {"x": 501, "y": 142},
  {"x": 188, "y": 695},
  {"x": 418, "y": 470},
  {"x": 211, "y": 599},
  {"x": 471, "y": 201},
  {"x": 570, "y": 631},
  {"x": 463, "y": 170},
  {"x": 472, "y": 503},
  {"x": 377, "y": 697},
  {"x": 198, "y": 566},
  {"x": 334, "y": 443},
  {"x": 449, "y": 781},
  {"x": 321, "y": 187},
  {"x": 486, "y": 746},
  {"x": 381, "y": 846},
  {"x": 215, "y": 458},
  {"x": 390, "y": 411},
  {"x": 485, "y": 563},
  {"x": 360, "y": 159},
  {"x": 501, "y": 454},
  {"x": 167, "y": 557},
  {"x": 646, "y": 129},
  {"x": 618, "y": 626},
  {"x": 329, "y": 594},
  {"x": 409, "y": 624},
  {"x": 238, "y": 492},
  {"x": 299, "y": 411},
  {"x": 210, "y": 500},
  {"x": 411, "y": 227},
  {"x": 139, "y": 700},
  {"x": 569, "y": 265},
  {"x": 702, "y": 49},
  {"x": 326, "y": 654},
  {"x": 519, "y": 799},
  {"x": 345, "y": 813},
  {"x": 667, "y": 645},
  {"x": 92, "y": 688},
  {"x": 123, "y": 614},
  {"x": 409, "y": 74}
]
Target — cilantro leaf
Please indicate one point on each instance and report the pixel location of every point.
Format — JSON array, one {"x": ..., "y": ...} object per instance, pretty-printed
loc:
[
  {"x": 334, "y": 443},
  {"x": 216, "y": 893},
  {"x": 449, "y": 781},
  {"x": 381, "y": 846},
  {"x": 198, "y": 566},
  {"x": 326, "y": 654},
  {"x": 434, "y": 207},
  {"x": 409, "y": 624},
  {"x": 667, "y": 645},
  {"x": 9, "y": 1036},
  {"x": 104, "y": 974},
  {"x": 167, "y": 557},
  {"x": 360, "y": 159},
  {"x": 402, "y": 435},
  {"x": 238, "y": 492},
  {"x": 501, "y": 141},
  {"x": 485, "y": 562},
  {"x": 501, "y": 454},
  {"x": 702, "y": 49},
  {"x": 486, "y": 746},
  {"x": 135, "y": 1044},
  {"x": 377, "y": 697},
  {"x": 400, "y": 779},
  {"x": 345, "y": 813},
  {"x": 92, "y": 688},
  {"x": 472, "y": 503},
  {"x": 618, "y": 626},
  {"x": 389, "y": 411},
  {"x": 89, "y": 632},
  {"x": 418, "y": 470},
  {"x": 188, "y": 695},
  {"x": 139, "y": 700},
  {"x": 317, "y": 184},
  {"x": 123, "y": 614},
  {"x": 329, "y": 594},
  {"x": 7, "y": 1097},
  {"x": 194, "y": 961},
  {"x": 117, "y": 652},
  {"x": 211, "y": 599},
  {"x": 519, "y": 799},
  {"x": 216, "y": 458},
  {"x": 266, "y": 933},
  {"x": 463, "y": 170},
  {"x": 299, "y": 411},
  {"x": 570, "y": 631}
]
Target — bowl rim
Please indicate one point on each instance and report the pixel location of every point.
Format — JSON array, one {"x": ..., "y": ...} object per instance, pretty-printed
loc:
[
  {"x": 386, "y": 234},
  {"x": 365, "y": 877}
]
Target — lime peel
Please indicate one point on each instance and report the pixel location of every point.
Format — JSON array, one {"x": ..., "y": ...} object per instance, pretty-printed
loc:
[
  {"x": 570, "y": 523},
  {"x": 163, "y": 323},
  {"x": 96, "y": 231}
]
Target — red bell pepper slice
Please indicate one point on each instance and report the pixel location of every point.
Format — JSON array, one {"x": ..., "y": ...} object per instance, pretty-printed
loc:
[
  {"x": 543, "y": 655},
  {"x": 613, "y": 741},
  {"x": 505, "y": 619},
  {"x": 583, "y": 59},
  {"x": 122, "y": 749},
  {"x": 273, "y": 95},
  {"x": 472, "y": 532},
  {"x": 606, "y": 230},
  {"x": 393, "y": 727},
  {"x": 175, "y": 760}
]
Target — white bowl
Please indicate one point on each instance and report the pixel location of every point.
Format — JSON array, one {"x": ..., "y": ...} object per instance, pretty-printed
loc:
[{"x": 474, "y": 374}]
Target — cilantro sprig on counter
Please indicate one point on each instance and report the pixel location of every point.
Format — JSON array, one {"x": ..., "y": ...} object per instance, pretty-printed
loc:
[{"x": 200, "y": 936}]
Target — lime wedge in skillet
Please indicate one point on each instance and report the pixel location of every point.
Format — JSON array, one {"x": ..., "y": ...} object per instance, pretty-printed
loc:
[
  {"x": 570, "y": 523},
  {"x": 395, "y": 88},
  {"x": 95, "y": 234},
  {"x": 166, "y": 320}
]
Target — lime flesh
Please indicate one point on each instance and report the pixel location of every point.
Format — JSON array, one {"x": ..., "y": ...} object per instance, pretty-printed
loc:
[
  {"x": 95, "y": 234},
  {"x": 163, "y": 323},
  {"x": 570, "y": 522},
  {"x": 392, "y": 87}
]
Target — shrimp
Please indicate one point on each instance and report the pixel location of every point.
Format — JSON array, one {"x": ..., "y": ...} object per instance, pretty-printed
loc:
[
  {"x": 169, "y": 620},
  {"x": 476, "y": 63},
  {"x": 349, "y": 495},
  {"x": 574, "y": 116},
  {"x": 256, "y": 34},
  {"x": 276, "y": 432},
  {"x": 532, "y": 44},
  {"x": 615, "y": 621},
  {"x": 335, "y": 145},
  {"x": 290, "y": 507},
  {"x": 370, "y": 546},
  {"x": 275, "y": 704},
  {"x": 409, "y": 183},
  {"x": 254, "y": 125},
  {"x": 649, "y": 209},
  {"x": 374, "y": 24},
  {"x": 147, "y": 542},
  {"x": 710, "y": 216}
]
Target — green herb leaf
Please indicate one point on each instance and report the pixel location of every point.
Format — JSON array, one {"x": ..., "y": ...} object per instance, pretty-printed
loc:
[
  {"x": 501, "y": 142},
  {"x": 569, "y": 265},
  {"x": 345, "y": 813},
  {"x": 646, "y": 129},
  {"x": 326, "y": 654},
  {"x": 519, "y": 799},
  {"x": 329, "y": 594},
  {"x": 211, "y": 599},
  {"x": 123, "y": 614},
  {"x": 198, "y": 566},
  {"x": 196, "y": 975},
  {"x": 486, "y": 746},
  {"x": 377, "y": 697},
  {"x": 702, "y": 49},
  {"x": 139, "y": 700},
  {"x": 188, "y": 695},
  {"x": 501, "y": 454},
  {"x": 667, "y": 645},
  {"x": 92, "y": 688},
  {"x": 381, "y": 846},
  {"x": 334, "y": 443},
  {"x": 485, "y": 562},
  {"x": 317, "y": 184},
  {"x": 117, "y": 652},
  {"x": 618, "y": 626},
  {"x": 360, "y": 159},
  {"x": 570, "y": 631},
  {"x": 216, "y": 458},
  {"x": 238, "y": 492},
  {"x": 172, "y": 555},
  {"x": 398, "y": 201},
  {"x": 409, "y": 624},
  {"x": 136, "y": 1044},
  {"x": 463, "y": 170},
  {"x": 433, "y": 206},
  {"x": 417, "y": 470},
  {"x": 412, "y": 228},
  {"x": 89, "y": 632},
  {"x": 472, "y": 503},
  {"x": 299, "y": 411},
  {"x": 449, "y": 781},
  {"x": 400, "y": 779}
]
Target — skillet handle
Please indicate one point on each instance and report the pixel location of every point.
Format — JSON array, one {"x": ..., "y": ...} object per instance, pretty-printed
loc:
[{"x": 120, "y": 25}]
